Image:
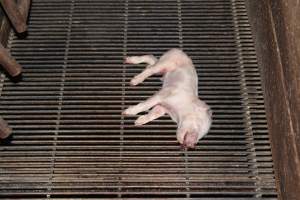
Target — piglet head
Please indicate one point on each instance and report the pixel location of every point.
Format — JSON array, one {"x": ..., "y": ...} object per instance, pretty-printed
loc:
[
  {"x": 193, "y": 127},
  {"x": 187, "y": 137}
]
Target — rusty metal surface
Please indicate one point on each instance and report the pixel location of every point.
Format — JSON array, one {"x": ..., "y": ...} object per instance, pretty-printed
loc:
[{"x": 70, "y": 139}]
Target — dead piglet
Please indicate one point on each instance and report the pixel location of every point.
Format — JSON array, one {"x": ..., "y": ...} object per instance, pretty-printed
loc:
[{"x": 178, "y": 96}]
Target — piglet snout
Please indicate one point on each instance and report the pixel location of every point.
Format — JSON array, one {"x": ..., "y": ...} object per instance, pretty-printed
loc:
[{"x": 190, "y": 140}]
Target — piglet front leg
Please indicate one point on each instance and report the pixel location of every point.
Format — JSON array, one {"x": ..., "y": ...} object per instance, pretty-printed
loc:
[
  {"x": 155, "y": 113},
  {"x": 154, "y": 67},
  {"x": 143, "y": 106},
  {"x": 149, "y": 59},
  {"x": 153, "y": 101}
]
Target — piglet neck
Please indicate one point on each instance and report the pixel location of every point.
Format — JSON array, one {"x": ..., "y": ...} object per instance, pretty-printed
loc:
[
  {"x": 188, "y": 113},
  {"x": 192, "y": 110}
]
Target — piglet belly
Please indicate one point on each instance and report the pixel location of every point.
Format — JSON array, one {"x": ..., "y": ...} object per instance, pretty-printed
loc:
[{"x": 177, "y": 104}]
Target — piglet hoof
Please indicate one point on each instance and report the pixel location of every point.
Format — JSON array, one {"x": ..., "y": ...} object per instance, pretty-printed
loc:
[
  {"x": 129, "y": 111},
  {"x": 140, "y": 121},
  {"x": 134, "y": 82},
  {"x": 125, "y": 112},
  {"x": 126, "y": 60}
]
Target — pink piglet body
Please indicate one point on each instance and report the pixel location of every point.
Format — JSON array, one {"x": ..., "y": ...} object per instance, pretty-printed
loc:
[{"x": 178, "y": 96}]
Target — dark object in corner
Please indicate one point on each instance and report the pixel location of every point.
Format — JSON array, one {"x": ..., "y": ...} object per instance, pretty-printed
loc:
[
  {"x": 17, "y": 13},
  {"x": 5, "y": 131},
  {"x": 11, "y": 66}
]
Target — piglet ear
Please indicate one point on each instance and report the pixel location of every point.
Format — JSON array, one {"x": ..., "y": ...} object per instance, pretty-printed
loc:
[
  {"x": 209, "y": 112},
  {"x": 181, "y": 135}
]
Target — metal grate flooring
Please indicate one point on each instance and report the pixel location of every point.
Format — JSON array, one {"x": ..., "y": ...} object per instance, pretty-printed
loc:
[{"x": 70, "y": 140}]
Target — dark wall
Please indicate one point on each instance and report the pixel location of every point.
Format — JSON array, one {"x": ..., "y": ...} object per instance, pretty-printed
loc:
[{"x": 276, "y": 29}]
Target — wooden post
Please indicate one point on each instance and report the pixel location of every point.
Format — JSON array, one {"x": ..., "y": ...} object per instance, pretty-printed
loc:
[
  {"x": 5, "y": 131},
  {"x": 24, "y": 7},
  {"x": 15, "y": 16},
  {"x": 276, "y": 29},
  {"x": 9, "y": 64}
]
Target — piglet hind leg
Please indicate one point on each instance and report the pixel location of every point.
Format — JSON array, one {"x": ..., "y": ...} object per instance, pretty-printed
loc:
[
  {"x": 158, "y": 67},
  {"x": 155, "y": 113},
  {"x": 149, "y": 59}
]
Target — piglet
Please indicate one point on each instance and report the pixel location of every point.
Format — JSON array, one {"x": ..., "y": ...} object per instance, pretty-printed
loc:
[{"x": 178, "y": 96}]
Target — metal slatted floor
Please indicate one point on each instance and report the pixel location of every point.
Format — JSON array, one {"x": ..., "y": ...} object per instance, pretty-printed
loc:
[{"x": 70, "y": 140}]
